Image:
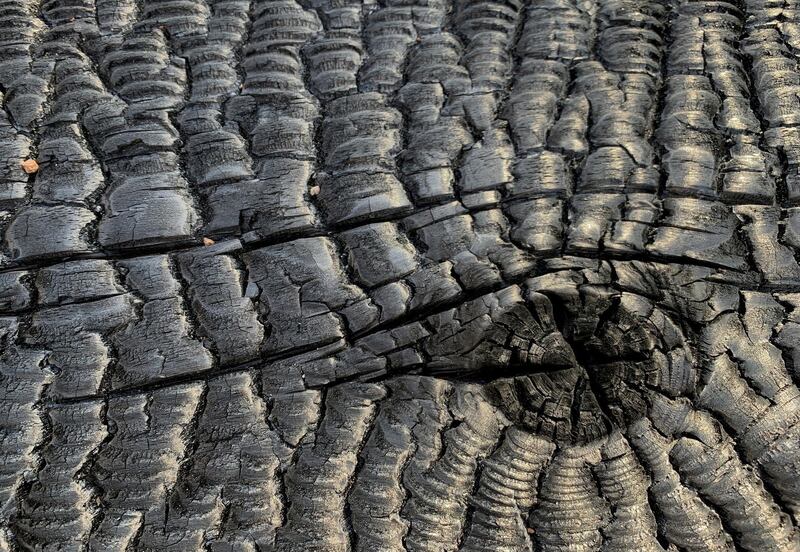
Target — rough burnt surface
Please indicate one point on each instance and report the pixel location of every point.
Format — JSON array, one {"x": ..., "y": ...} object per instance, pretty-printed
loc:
[{"x": 405, "y": 275}]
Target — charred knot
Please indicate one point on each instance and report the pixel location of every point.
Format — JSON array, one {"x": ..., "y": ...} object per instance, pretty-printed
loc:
[{"x": 565, "y": 359}]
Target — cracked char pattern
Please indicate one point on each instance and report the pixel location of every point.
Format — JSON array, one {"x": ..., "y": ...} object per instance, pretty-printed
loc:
[{"x": 400, "y": 275}]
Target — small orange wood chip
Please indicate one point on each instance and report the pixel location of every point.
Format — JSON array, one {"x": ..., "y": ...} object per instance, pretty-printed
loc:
[
  {"x": 208, "y": 241},
  {"x": 30, "y": 166}
]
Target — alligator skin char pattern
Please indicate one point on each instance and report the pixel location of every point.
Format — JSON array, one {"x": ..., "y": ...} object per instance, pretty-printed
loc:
[{"x": 399, "y": 275}]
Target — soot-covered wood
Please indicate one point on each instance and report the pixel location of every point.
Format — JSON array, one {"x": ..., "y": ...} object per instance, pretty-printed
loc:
[{"x": 405, "y": 275}]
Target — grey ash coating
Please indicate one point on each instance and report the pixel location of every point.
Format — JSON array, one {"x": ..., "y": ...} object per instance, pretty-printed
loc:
[{"x": 482, "y": 275}]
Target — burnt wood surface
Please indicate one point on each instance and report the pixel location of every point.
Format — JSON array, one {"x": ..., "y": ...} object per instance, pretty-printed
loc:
[{"x": 400, "y": 275}]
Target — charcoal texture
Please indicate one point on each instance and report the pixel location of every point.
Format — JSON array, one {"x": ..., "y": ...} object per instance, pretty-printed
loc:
[{"x": 400, "y": 275}]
